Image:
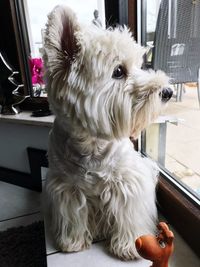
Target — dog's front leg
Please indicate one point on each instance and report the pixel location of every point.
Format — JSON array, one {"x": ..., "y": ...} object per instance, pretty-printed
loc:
[
  {"x": 130, "y": 215},
  {"x": 70, "y": 218}
]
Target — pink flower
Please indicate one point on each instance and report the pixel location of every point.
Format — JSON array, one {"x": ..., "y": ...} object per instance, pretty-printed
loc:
[{"x": 36, "y": 66}]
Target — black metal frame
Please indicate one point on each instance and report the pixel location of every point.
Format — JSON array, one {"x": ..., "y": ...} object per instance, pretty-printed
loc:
[{"x": 37, "y": 158}]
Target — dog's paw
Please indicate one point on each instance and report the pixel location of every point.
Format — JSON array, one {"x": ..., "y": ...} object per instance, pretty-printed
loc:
[
  {"x": 125, "y": 254},
  {"x": 73, "y": 246},
  {"x": 74, "y": 243}
]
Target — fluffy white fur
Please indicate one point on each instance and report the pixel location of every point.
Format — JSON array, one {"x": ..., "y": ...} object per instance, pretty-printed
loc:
[{"x": 98, "y": 185}]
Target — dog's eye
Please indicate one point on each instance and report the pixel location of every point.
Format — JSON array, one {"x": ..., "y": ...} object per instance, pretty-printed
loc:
[{"x": 119, "y": 72}]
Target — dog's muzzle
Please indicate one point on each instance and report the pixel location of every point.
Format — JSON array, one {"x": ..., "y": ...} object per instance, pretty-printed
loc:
[{"x": 166, "y": 94}]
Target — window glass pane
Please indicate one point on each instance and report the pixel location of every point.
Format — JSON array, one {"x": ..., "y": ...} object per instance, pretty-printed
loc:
[
  {"x": 174, "y": 139},
  {"x": 183, "y": 139}
]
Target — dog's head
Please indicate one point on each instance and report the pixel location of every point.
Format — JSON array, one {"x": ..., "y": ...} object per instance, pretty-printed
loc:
[{"x": 94, "y": 78}]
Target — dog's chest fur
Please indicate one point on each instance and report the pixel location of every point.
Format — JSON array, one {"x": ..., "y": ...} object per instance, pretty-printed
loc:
[{"x": 81, "y": 159}]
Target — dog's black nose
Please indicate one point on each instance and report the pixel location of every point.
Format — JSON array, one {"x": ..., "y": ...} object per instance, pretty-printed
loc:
[{"x": 166, "y": 94}]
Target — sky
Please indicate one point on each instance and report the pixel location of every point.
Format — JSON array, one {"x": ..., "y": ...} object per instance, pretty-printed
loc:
[{"x": 38, "y": 10}]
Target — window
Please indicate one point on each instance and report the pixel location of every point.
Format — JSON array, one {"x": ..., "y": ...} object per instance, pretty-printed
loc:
[
  {"x": 36, "y": 17},
  {"x": 176, "y": 132},
  {"x": 173, "y": 140},
  {"x": 29, "y": 20}
]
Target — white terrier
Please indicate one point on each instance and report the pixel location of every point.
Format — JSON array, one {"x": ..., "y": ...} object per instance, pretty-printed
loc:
[{"x": 98, "y": 185}]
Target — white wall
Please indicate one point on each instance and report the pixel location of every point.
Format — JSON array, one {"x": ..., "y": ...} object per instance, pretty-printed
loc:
[{"x": 15, "y": 138}]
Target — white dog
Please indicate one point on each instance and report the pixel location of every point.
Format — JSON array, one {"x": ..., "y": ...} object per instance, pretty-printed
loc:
[{"x": 98, "y": 185}]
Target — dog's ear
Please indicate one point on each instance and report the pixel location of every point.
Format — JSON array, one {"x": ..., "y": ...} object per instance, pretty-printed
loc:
[{"x": 60, "y": 43}]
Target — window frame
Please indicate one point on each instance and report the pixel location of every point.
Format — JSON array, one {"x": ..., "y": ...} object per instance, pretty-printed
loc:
[
  {"x": 22, "y": 43},
  {"x": 180, "y": 211},
  {"x": 17, "y": 11}
]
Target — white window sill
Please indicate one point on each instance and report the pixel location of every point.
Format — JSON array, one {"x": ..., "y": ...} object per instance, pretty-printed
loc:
[{"x": 26, "y": 118}]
